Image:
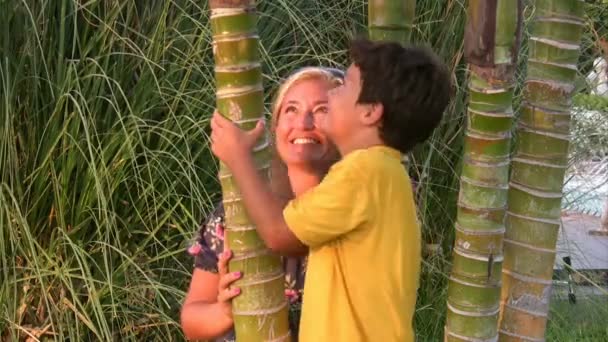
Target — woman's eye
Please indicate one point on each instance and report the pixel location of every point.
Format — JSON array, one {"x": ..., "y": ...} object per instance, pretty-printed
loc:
[
  {"x": 291, "y": 109},
  {"x": 322, "y": 110}
]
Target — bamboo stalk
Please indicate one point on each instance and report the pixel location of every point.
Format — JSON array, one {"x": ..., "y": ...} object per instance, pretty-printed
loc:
[
  {"x": 539, "y": 164},
  {"x": 391, "y": 20},
  {"x": 261, "y": 310},
  {"x": 491, "y": 46}
]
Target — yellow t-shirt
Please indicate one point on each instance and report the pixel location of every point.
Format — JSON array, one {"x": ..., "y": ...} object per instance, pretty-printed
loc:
[{"x": 364, "y": 262}]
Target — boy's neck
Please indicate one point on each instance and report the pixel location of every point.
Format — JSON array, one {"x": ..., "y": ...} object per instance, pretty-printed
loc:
[
  {"x": 302, "y": 179},
  {"x": 360, "y": 142}
]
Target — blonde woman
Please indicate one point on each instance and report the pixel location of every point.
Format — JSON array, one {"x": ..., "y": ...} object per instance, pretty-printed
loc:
[{"x": 303, "y": 156}]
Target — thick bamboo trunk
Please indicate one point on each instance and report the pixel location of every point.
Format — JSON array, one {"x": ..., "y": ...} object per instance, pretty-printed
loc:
[
  {"x": 491, "y": 47},
  {"x": 261, "y": 310},
  {"x": 538, "y": 168},
  {"x": 391, "y": 20}
]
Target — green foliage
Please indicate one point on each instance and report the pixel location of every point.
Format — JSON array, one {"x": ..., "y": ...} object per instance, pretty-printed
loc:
[
  {"x": 585, "y": 321},
  {"x": 589, "y": 128},
  {"x": 105, "y": 171},
  {"x": 591, "y": 102}
]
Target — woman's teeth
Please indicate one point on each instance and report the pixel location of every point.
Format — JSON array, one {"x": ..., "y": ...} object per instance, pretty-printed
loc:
[{"x": 302, "y": 141}]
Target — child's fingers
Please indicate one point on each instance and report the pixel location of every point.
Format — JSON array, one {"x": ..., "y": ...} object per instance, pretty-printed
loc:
[
  {"x": 257, "y": 131},
  {"x": 220, "y": 120},
  {"x": 259, "y": 128},
  {"x": 217, "y": 121}
]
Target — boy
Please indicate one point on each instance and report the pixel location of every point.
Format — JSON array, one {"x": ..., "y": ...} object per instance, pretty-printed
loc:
[{"x": 359, "y": 223}]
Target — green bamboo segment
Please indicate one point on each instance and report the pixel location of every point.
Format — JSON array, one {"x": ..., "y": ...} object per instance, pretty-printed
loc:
[
  {"x": 494, "y": 124},
  {"x": 538, "y": 204},
  {"x": 244, "y": 239},
  {"x": 487, "y": 148},
  {"x": 478, "y": 242},
  {"x": 492, "y": 43},
  {"x": 466, "y": 296},
  {"x": 550, "y": 95},
  {"x": 546, "y": 177},
  {"x": 486, "y": 173},
  {"x": 538, "y": 233},
  {"x": 544, "y": 30},
  {"x": 476, "y": 269},
  {"x": 474, "y": 289},
  {"x": 538, "y": 168},
  {"x": 530, "y": 315},
  {"x": 560, "y": 9},
  {"x": 254, "y": 299},
  {"x": 478, "y": 195},
  {"x": 246, "y": 78},
  {"x": 552, "y": 52},
  {"x": 529, "y": 260},
  {"x": 507, "y": 27},
  {"x": 466, "y": 327},
  {"x": 250, "y": 325},
  {"x": 232, "y": 51},
  {"x": 261, "y": 310},
  {"x": 242, "y": 106},
  {"x": 491, "y": 219},
  {"x": 264, "y": 263},
  {"x": 544, "y": 120},
  {"x": 547, "y": 147},
  {"x": 391, "y": 20}
]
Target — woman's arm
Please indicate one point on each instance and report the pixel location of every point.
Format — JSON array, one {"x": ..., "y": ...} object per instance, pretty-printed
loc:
[
  {"x": 207, "y": 312},
  {"x": 202, "y": 317}
]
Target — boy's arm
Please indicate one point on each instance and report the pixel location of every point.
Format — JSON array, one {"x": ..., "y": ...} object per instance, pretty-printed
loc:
[
  {"x": 233, "y": 146},
  {"x": 337, "y": 206},
  {"x": 265, "y": 210}
]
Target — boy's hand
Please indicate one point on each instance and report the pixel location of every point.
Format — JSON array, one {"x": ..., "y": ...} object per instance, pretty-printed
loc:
[{"x": 230, "y": 143}]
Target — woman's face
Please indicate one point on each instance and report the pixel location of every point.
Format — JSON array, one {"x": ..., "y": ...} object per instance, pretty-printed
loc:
[{"x": 298, "y": 138}]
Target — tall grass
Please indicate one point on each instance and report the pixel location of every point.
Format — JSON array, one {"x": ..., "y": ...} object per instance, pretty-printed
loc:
[
  {"x": 105, "y": 171},
  {"x": 104, "y": 166}
]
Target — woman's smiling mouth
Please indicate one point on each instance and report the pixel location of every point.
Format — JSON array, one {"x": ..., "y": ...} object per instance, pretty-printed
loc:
[{"x": 304, "y": 141}]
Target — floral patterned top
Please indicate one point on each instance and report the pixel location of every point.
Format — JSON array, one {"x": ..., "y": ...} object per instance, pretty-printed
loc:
[{"x": 208, "y": 245}]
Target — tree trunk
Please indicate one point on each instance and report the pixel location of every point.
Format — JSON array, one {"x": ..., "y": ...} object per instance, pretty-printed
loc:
[
  {"x": 538, "y": 168},
  {"x": 492, "y": 40},
  {"x": 261, "y": 310},
  {"x": 391, "y": 20}
]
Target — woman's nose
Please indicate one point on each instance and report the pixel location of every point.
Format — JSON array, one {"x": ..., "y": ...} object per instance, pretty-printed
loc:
[{"x": 306, "y": 121}]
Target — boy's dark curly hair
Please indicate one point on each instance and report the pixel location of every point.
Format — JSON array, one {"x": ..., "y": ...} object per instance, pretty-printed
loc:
[{"x": 412, "y": 85}]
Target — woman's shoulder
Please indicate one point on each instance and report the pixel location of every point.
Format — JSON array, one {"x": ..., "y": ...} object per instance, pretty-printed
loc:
[{"x": 209, "y": 241}]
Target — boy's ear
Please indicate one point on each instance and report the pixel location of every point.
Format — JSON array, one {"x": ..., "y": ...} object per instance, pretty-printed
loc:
[{"x": 372, "y": 114}]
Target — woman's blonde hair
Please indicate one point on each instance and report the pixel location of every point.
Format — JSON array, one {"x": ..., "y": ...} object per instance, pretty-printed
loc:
[{"x": 279, "y": 179}]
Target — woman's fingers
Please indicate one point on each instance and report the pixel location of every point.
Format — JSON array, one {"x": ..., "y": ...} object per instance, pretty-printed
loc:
[
  {"x": 228, "y": 294},
  {"x": 225, "y": 292},
  {"x": 222, "y": 263},
  {"x": 228, "y": 279}
]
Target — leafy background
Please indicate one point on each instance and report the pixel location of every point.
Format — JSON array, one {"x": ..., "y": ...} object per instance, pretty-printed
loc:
[{"x": 105, "y": 170}]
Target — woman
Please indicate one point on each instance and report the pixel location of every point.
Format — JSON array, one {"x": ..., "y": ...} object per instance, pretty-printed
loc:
[{"x": 303, "y": 156}]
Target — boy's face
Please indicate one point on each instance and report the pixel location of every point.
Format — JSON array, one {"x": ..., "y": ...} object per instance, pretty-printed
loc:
[{"x": 342, "y": 121}]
